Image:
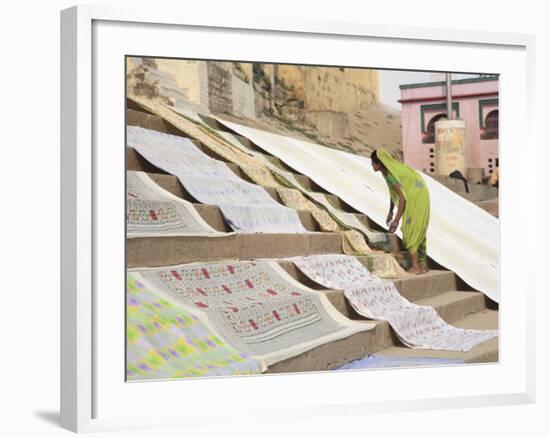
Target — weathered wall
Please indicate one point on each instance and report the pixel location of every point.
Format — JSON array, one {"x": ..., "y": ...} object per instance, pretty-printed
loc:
[
  {"x": 330, "y": 88},
  {"x": 243, "y": 98},
  {"x": 220, "y": 88},
  {"x": 242, "y": 90},
  {"x": 329, "y": 123},
  {"x": 321, "y": 97}
]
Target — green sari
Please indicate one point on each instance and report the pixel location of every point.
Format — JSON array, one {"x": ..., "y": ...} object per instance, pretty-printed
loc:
[{"x": 415, "y": 219}]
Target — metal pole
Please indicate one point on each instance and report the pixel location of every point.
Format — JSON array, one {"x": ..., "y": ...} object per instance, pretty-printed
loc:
[{"x": 449, "y": 96}]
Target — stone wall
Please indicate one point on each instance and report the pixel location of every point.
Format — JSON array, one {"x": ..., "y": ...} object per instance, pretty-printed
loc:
[
  {"x": 320, "y": 96},
  {"x": 330, "y": 88},
  {"x": 243, "y": 98},
  {"x": 329, "y": 123},
  {"x": 220, "y": 88}
]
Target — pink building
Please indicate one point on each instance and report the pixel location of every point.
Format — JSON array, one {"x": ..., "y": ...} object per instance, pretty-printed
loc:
[{"x": 475, "y": 101}]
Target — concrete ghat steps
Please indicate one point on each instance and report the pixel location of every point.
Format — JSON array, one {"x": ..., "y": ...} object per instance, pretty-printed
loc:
[{"x": 440, "y": 289}]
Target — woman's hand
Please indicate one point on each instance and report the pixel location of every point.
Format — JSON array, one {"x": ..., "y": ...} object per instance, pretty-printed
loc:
[
  {"x": 393, "y": 226},
  {"x": 389, "y": 218}
]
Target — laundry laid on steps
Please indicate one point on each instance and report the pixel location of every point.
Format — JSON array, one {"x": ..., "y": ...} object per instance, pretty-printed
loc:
[
  {"x": 195, "y": 128},
  {"x": 166, "y": 340},
  {"x": 372, "y": 297},
  {"x": 379, "y": 361},
  {"x": 347, "y": 220},
  {"x": 259, "y": 327},
  {"x": 247, "y": 207},
  {"x": 152, "y": 211},
  {"x": 257, "y": 306},
  {"x": 462, "y": 237},
  {"x": 259, "y": 170}
]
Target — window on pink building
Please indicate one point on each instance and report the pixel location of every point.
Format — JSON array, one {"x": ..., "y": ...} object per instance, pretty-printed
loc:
[{"x": 490, "y": 129}]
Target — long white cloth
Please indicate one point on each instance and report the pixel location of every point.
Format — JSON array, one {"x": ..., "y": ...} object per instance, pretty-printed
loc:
[
  {"x": 247, "y": 207},
  {"x": 461, "y": 236},
  {"x": 372, "y": 297}
]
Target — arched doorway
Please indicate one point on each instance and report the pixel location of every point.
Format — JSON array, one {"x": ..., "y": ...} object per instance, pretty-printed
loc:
[
  {"x": 429, "y": 136},
  {"x": 491, "y": 126}
]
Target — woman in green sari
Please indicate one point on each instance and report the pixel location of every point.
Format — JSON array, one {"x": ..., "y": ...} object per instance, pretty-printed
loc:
[{"x": 409, "y": 192}]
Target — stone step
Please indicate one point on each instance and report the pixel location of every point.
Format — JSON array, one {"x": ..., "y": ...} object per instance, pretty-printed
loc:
[
  {"x": 485, "y": 352},
  {"x": 455, "y": 305},
  {"x": 334, "y": 354},
  {"x": 490, "y": 206},
  {"x": 477, "y": 192},
  {"x": 164, "y": 251},
  {"x": 136, "y": 117}
]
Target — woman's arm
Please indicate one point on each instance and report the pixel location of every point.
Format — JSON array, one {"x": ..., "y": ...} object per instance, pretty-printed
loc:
[
  {"x": 400, "y": 208},
  {"x": 390, "y": 213}
]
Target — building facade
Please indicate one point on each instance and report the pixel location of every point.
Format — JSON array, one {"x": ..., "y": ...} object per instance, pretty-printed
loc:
[{"x": 474, "y": 100}]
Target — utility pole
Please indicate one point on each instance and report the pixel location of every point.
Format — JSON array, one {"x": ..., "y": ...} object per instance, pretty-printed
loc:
[
  {"x": 449, "y": 96},
  {"x": 450, "y": 140}
]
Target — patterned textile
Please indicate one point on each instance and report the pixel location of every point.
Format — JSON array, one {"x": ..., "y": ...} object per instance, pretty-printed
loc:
[
  {"x": 260, "y": 175},
  {"x": 257, "y": 168},
  {"x": 189, "y": 128},
  {"x": 256, "y": 306},
  {"x": 379, "y": 240},
  {"x": 354, "y": 243},
  {"x": 230, "y": 138},
  {"x": 246, "y": 207},
  {"x": 293, "y": 198},
  {"x": 386, "y": 266},
  {"x": 376, "y": 361},
  {"x": 349, "y": 220},
  {"x": 170, "y": 341},
  {"x": 381, "y": 264},
  {"x": 153, "y": 211},
  {"x": 416, "y": 326}
]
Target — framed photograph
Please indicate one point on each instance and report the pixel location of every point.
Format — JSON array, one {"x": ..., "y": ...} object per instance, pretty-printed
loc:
[{"x": 281, "y": 218}]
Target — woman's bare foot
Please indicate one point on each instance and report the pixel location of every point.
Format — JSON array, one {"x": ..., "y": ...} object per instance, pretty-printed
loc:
[
  {"x": 414, "y": 270},
  {"x": 423, "y": 268}
]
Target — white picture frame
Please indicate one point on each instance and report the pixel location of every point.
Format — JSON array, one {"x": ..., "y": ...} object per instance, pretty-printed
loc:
[{"x": 90, "y": 399}]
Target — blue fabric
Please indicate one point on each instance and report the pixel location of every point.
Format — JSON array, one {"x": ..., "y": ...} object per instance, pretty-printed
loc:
[{"x": 376, "y": 361}]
